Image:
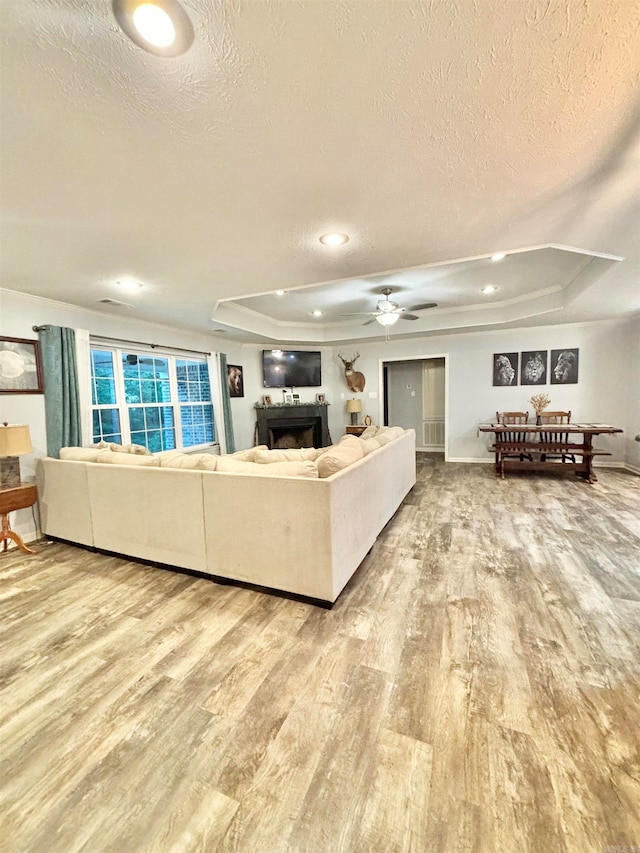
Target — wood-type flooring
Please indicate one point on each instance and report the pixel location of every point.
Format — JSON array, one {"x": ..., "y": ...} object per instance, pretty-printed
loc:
[{"x": 475, "y": 688}]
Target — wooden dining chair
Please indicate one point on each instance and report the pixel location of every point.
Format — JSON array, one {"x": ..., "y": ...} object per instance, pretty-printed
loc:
[
  {"x": 556, "y": 436},
  {"x": 513, "y": 435}
]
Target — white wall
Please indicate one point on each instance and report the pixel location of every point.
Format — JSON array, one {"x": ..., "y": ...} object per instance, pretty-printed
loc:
[
  {"x": 633, "y": 391},
  {"x": 404, "y": 389},
  {"x": 601, "y": 394}
]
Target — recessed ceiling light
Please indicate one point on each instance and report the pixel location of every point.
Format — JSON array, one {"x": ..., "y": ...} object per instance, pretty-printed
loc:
[
  {"x": 334, "y": 239},
  {"x": 159, "y": 26},
  {"x": 489, "y": 288},
  {"x": 129, "y": 284},
  {"x": 317, "y": 313},
  {"x": 280, "y": 292},
  {"x": 499, "y": 256}
]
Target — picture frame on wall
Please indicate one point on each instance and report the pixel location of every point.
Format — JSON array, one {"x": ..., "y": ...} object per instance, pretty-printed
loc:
[
  {"x": 20, "y": 366},
  {"x": 235, "y": 380},
  {"x": 505, "y": 369},
  {"x": 564, "y": 366},
  {"x": 533, "y": 367}
]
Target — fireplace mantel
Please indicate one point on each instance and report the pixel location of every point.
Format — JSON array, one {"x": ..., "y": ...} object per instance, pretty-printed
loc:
[{"x": 270, "y": 417}]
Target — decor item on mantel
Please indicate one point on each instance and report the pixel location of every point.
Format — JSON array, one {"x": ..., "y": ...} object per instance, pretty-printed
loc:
[
  {"x": 354, "y": 407},
  {"x": 355, "y": 379},
  {"x": 14, "y": 441},
  {"x": 540, "y": 402}
]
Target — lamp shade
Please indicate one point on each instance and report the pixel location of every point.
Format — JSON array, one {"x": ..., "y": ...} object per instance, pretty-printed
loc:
[
  {"x": 354, "y": 406},
  {"x": 15, "y": 440}
]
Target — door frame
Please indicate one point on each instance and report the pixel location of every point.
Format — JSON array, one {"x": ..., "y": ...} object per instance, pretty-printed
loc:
[{"x": 382, "y": 384}]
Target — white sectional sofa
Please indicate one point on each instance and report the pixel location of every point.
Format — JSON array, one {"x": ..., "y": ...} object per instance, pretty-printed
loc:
[{"x": 304, "y": 535}]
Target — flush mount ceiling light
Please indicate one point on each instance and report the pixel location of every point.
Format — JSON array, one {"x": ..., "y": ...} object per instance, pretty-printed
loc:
[
  {"x": 317, "y": 313},
  {"x": 499, "y": 256},
  {"x": 280, "y": 292},
  {"x": 161, "y": 27},
  {"x": 489, "y": 288},
  {"x": 129, "y": 284},
  {"x": 334, "y": 239}
]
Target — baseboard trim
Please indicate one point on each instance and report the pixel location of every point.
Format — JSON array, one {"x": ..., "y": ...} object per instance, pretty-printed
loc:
[
  {"x": 632, "y": 468},
  {"x": 471, "y": 459}
]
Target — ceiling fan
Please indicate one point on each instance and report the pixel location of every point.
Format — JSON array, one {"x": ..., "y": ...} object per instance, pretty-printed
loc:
[{"x": 388, "y": 312}]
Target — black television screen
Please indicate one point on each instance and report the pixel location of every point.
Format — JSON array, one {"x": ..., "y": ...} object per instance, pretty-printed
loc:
[{"x": 290, "y": 368}]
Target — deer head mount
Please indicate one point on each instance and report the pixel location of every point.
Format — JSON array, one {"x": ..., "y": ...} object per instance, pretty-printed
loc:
[{"x": 355, "y": 379}]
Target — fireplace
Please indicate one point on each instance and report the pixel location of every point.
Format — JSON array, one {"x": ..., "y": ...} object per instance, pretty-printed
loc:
[{"x": 303, "y": 425}]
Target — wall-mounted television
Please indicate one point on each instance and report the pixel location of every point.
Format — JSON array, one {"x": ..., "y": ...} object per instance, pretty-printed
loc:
[{"x": 290, "y": 368}]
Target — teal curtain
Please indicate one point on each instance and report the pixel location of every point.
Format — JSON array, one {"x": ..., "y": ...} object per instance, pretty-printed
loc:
[
  {"x": 226, "y": 405},
  {"x": 61, "y": 397}
]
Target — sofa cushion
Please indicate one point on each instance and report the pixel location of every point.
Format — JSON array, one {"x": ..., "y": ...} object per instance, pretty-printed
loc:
[
  {"x": 165, "y": 456},
  {"x": 369, "y": 445},
  {"x": 79, "y": 454},
  {"x": 123, "y": 448},
  {"x": 268, "y": 457},
  {"x": 192, "y": 462},
  {"x": 111, "y": 458},
  {"x": 334, "y": 460},
  {"x": 369, "y": 432},
  {"x": 249, "y": 454},
  {"x": 387, "y": 434},
  {"x": 229, "y": 465}
]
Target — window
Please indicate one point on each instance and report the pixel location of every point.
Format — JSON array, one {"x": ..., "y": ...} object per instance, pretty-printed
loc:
[{"x": 160, "y": 401}]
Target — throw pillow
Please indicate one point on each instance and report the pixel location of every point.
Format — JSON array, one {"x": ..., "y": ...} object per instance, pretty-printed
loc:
[
  {"x": 248, "y": 455},
  {"x": 369, "y": 432}
]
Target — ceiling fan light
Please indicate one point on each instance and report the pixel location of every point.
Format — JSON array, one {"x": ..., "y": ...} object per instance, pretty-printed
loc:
[
  {"x": 387, "y": 319},
  {"x": 387, "y": 305}
]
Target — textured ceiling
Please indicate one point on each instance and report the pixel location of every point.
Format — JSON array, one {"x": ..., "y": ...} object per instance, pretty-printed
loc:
[{"x": 428, "y": 131}]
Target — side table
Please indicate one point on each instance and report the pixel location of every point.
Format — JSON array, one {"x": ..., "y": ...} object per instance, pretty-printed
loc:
[
  {"x": 355, "y": 430},
  {"x": 19, "y": 497}
]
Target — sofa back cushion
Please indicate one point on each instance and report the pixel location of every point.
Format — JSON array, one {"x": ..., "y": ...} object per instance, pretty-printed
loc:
[
  {"x": 79, "y": 454},
  {"x": 340, "y": 456},
  {"x": 268, "y": 457},
  {"x": 192, "y": 462},
  {"x": 302, "y": 468},
  {"x": 110, "y": 458},
  {"x": 249, "y": 454}
]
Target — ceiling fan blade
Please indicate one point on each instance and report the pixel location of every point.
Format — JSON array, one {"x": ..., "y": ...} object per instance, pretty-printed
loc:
[
  {"x": 409, "y": 317},
  {"x": 423, "y": 307},
  {"x": 368, "y": 323},
  {"x": 361, "y": 314}
]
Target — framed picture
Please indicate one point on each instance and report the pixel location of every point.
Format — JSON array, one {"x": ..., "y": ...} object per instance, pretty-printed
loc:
[
  {"x": 321, "y": 398},
  {"x": 533, "y": 367},
  {"x": 235, "y": 380},
  {"x": 20, "y": 366},
  {"x": 296, "y": 398},
  {"x": 505, "y": 368},
  {"x": 564, "y": 366},
  {"x": 266, "y": 400},
  {"x": 288, "y": 398}
]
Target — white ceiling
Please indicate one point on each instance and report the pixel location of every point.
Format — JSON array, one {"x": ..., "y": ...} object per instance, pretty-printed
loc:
[{"x": 427, "y": 131}]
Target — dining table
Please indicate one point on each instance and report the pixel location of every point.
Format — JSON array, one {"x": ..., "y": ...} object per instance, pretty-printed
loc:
[{"x": 562, "y": 448}]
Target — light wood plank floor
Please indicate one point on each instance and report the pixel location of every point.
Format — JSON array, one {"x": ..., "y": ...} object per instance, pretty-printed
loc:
[{"x": 476, "y": 688}]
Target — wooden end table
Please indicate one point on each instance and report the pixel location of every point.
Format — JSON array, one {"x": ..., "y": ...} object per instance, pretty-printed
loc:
[
  {"x": 18, "y": 497},
  {"x": 355, "y": 430}
]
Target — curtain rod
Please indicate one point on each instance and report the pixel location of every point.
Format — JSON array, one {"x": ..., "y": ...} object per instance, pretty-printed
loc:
[{"x": 135, "y": 343}]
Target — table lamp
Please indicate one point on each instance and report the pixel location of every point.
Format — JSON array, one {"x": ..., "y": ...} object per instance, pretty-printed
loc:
[
  {"x": 354, "y": 407},
  {"x": 14, "y": 441}
]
